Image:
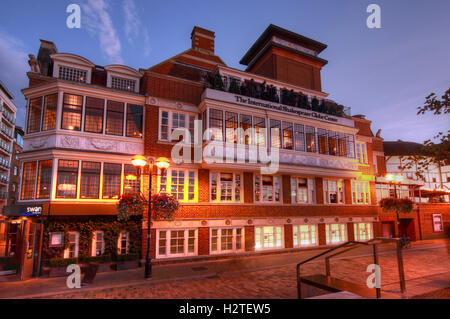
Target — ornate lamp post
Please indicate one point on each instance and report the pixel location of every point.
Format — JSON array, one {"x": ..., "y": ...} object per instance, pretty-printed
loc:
[
  {"x": 395, "y": 179},
  {"x": 162, "y": 163}
]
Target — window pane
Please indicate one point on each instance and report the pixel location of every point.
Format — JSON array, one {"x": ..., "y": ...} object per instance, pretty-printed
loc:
[
  {"x": 90, "y": 179},
  {"x": 111, "y": 180},
  {"x": 342, "y": 145},
  {"x": 67, "y": 179},
  {"x": 231, "y": 124},
  {"x": 50, "y": 104},
  {"x": 123, "y": 84},
  {"x": 332, "y": 143},
  {"x": 93, "y": 119},
  {"x": 114, "y": 118},
  {"x": 260, "y": 130},
  {"x": 322, "y": 138},
  {"x": 135, "y": 115},
  {"x": 216, "y": 121},
  {"x": 72, "y": 74},
  {"x": 287, "y": 136},
  {"x": 131, "y": 179},
  {"x": 34, "y": 115},
  {"x": 246, "y": 126},
  {"x": 226, "y": 186},
  {"x": 299, "y": 137},
  {"x": 71, "y": 112},
  {"x": 275, "y": 133},
  {"x": 44, "y": 179},
  {"x": 28, "y": 180},
  {"x": 310, "y": 139}
]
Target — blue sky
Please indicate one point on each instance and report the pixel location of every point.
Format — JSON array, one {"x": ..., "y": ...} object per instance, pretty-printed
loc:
[{"x": 382, "y": 73}]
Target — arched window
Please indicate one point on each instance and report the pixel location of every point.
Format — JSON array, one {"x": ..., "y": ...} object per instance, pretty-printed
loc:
[
  {"x": 123, "y": 243},
  {"x": 98, "y": 243},
  {"x": 72, "y": 250}
]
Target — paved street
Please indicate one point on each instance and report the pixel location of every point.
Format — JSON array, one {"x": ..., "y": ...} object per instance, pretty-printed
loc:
[{"x": 427, "y": 267}]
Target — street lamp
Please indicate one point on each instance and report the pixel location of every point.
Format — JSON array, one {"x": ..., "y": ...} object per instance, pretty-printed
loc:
[
  {"x": 162, "y": 163},
  {"x": 395, "y": 179}
]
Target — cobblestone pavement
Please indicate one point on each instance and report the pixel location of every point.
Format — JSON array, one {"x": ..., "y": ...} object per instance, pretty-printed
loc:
[{"x": 281, "y": 282}]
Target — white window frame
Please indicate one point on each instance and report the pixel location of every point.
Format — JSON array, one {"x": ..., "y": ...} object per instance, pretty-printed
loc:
[
  {"x": 76, "y": 242},
  {"x": 119, "y": 242},
  {"x": 361, "y": 153},
  {"x": 186, "y": 171},
  {"x": 61, "y": 239},
  {"x": 275, "y": 235},
  {"x": 357, "y": 186},
  {"x": 280, "y": 183},
  {"x": 313, "y": 234},
  {"x": 94, "y": 243},
  {"x": 310, "y": 189},
  {"x": 358, "y": 228},
  {"x": 170, "y": 127},
  {"x": 167, "y": 241},
  {"x": 233, "y": 190},
  {"x": 326, "y": 192},
  {"x": 219, "y": 240},
  {"x": 343, "y": 233}
]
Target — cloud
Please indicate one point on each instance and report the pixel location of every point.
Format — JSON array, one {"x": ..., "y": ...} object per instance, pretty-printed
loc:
[
  {"x": 98, "y": 21},
  {"x": 14, "y": 66},
  {"x": 134, "y": 28}
]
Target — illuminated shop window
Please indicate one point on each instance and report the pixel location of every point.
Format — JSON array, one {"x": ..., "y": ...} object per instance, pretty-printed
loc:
[
  {"x": 363, "y": 231},
  {"x": 269, "y": 237},
  {"x": 225, "y": 187},
  {"x": 336, "y": 233},
  {"x": 303, "y": 190},
  {"x": 333, "y": 191},
  {"x": 180, "y": 183},
  {"x": 225, "y": 240},
  {"x": 179, "y": 242},
  {"x": 360, "y": 192},
  {"x": 304, "y": 235}
]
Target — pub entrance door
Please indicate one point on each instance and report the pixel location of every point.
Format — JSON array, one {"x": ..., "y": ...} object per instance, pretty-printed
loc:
[{"x": 10, "y": 247}]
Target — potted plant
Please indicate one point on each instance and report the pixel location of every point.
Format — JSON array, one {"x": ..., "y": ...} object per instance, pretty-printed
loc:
[
  {"x": 163, "y": 206},
  {"x": 130, "y": 204}
]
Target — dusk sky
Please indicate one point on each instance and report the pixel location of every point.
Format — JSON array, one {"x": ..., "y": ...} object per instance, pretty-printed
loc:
[{"x": 383, "y": 73}]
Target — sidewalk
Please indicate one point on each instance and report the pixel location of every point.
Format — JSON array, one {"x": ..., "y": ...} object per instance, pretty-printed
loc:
[{"x": 184, "y": 271}]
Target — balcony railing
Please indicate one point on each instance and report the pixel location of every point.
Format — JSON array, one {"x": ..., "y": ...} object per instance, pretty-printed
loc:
[
  {"x": 4, "y": 179},
  {"x": 5, "y": 163},
  {"x": 278, "y": 95},
  {"x": 7, "y": 131},
  {"x": 6, "y": 147},
  {"x": 11, "y": 119}
]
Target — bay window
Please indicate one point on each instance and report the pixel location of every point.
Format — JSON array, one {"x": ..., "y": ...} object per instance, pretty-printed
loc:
[
  {"x": 67, "y": 179},
  {"x": 90, "y": 180},
  {"x": 332, "y": 143},
  {"x": 49, "y": 112},
  {"x": 361, "y": 152},
  {"x": 336, "y": 233},
  {"x": 28, "y": 180},
  {"x": 363, "y": 231},
  {"x": 216, "y": 123},
  {"x": 269, "y": 237},
  {"x": 135, "y": 115},
  {"x": 267, "y": 188},
  {"x": 71, "y": 112},
  {"x": 93, "y": 115},
  {"x": 275, "y": 133},
  {"x": 231, "y": 125},
  {"x": 44, "y": 179},
  {"x": 304, "y": 235},
  {"x": 260, "y": 130},
  {"x": 360, "y": 192},
  {"x": 333, "y": 191},
  {"x": 112, "y": 174},
  {"x": 288, "y": 136},
  {"x": 225, "y": 187},
  {"x": 322, "y": 139},
  {"x": 303, "y": 190},
  {"x": 299, "y": 137},
  {"x": 246, "y": 126},
  {"x": 226, "y": 240},
  {"x": 177, "y": 242},
  {"x": 310, "y": 139},
  {"x": 180, "y": 183},
  {"x": 34, "y": 115},
  {"x": 114, "y": 118}
]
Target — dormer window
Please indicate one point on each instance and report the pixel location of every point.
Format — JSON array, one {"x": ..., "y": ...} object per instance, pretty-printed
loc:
[
  {"x": 123, "y": 84},
  {"x": 72, "y": 74}
]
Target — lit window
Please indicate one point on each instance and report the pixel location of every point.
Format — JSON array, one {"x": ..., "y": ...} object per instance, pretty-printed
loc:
[
  {"x": 342, "y": 144},
  {"x": 169, "y": 121},
  {"x": 112, "y": 174},
  {"x": 56, "y": 239},
  {"x": 90, "y": 180},
  {"x": 303, "y": 190},
  {"x": 67, "y": 179},
  {"x": 333, "y": 191},
  {"x": 34, "y": 115},
  {"x": 336, "y": 233},
  {"x": 122, "y": 245},
  {"x": 304, "y": 235},
  {"x": 216, "y": 124},
  {"x": 72, "y": 74},
  {"x": 225, "y": 187},
  {"x": 363, "y": 231},
  {"x": 269, "y": 237},
  {"x": 360, "y": 192},
  {"x": 226, "y": 240},
  {"x": 123, "y": 84},
  {"x": 135, "y": 114},
  {"x": 44, "y": 179},
  {"x": 332, "y": 143},
  {"x": 361, "y": 152},
  {"x": 114, "y": 118},
  {"x": 179, "y": 242},
  {"x": 275, "y": 133},
  {"x": 267, "y": 188},
  {"x": 288, "y": 136},
  {"x": 260, "y": 130},
  {"x": 246, "y": 126},
  {"x": 132, "y": 180},
  {"x": 299, "y": 137},
  {"x": 310, "y": 139},
  {"x": 180, "y": 183},
  {"x": 49, "y": 117},
  {"x": 73, "y": 245},
  {"x": 71, "y": 112},
  {"x": 98, "y": 243},
  {"x": 28, "y": 180},
  {"x": 93, "y": 117},
  {"x": 322, "y": 139}
]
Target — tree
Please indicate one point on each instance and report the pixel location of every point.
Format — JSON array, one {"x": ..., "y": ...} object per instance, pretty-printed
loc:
[{"x": 432, "y": 153}]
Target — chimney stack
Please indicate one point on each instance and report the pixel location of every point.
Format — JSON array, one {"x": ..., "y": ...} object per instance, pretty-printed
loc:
[
  {"x": 202, "y": 40},
  {"x": 45, "y": 62}
]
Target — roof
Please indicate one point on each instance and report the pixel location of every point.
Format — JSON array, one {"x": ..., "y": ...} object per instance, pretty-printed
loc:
[
  {"x": 273, "y": 29},
  {"x": 402, "y": 148},
  {"x": 5, "y": 89}
]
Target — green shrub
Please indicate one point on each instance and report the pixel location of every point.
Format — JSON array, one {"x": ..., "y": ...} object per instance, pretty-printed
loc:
[{"x": 127, "y": 257}]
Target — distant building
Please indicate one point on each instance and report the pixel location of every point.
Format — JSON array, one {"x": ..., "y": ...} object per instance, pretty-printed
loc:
[{"x": 16, "y": 168}]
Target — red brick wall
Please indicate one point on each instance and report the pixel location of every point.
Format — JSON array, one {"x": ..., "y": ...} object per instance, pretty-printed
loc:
[
  {"x": 350, "y": 232},
  {"x": 249, "y": 238},
  {"x": 248, "y": 187},
  {"x": 203, "y": 185},
  {"x": 288, "y": 236},
  {"x": 286, "y": 180},
  {"x": 377, "y": 230},
  {"x": 319, "y": 190},
  {"x": 348, "y": 191},
  {"x": 322, "y": 235},
  {"x": 203, "y": 241},
  {"x": 426, "y": 212}
]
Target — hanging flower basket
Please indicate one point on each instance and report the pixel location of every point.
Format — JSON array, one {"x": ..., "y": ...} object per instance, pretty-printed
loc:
[
  {"x": 403, "y": 205},
  {"x": 131, "y": 204},
  {"x": 163, "y": 206}
]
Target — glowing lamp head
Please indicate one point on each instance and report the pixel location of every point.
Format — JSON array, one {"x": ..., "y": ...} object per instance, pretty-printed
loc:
[
  {"x": 399, "y": 178},
  {"x": 389, "y": 177},
  {"x": 131, "y": 177},
  {"x": 139, "y": 161},
  {"x": 162, "y": 163}
]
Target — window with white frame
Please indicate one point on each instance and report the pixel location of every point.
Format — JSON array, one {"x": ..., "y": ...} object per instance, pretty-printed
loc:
[
  {"x": 304, "y": 235},
  {"x": 123, "y": 84},
  {"x": 361, "y": 152},
  {"x": 225, "y": 240},
  {"x": 72, "y": 74},
  {"x": 122, "y": 244},
  {"x": 225, "y": 187},
  {"x": 73, "y": 245},
  {"x": 98, "y": 243},
  {"x": 269, "y": 237},
  {"x": 180, "y": 183},
  {"x": 303, "y": 190},
  {"x": 360, "y": 192},
  {"x": 333, "y": 191},
  {"x": 267, "y": 188},
  {"x": 336, "y": 233},
  {"x": 363, "y": 231},
  {"x": 56, "y": 239},
  {"x": 171, "y": 120},
  {"x": 177, "y": 242}
]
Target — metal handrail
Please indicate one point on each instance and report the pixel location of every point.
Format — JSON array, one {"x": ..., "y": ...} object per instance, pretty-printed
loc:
[{"x": 355, "y": 244}]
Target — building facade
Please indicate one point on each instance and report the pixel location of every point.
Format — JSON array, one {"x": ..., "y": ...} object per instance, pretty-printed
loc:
[{"x": 15, "y": 171}]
